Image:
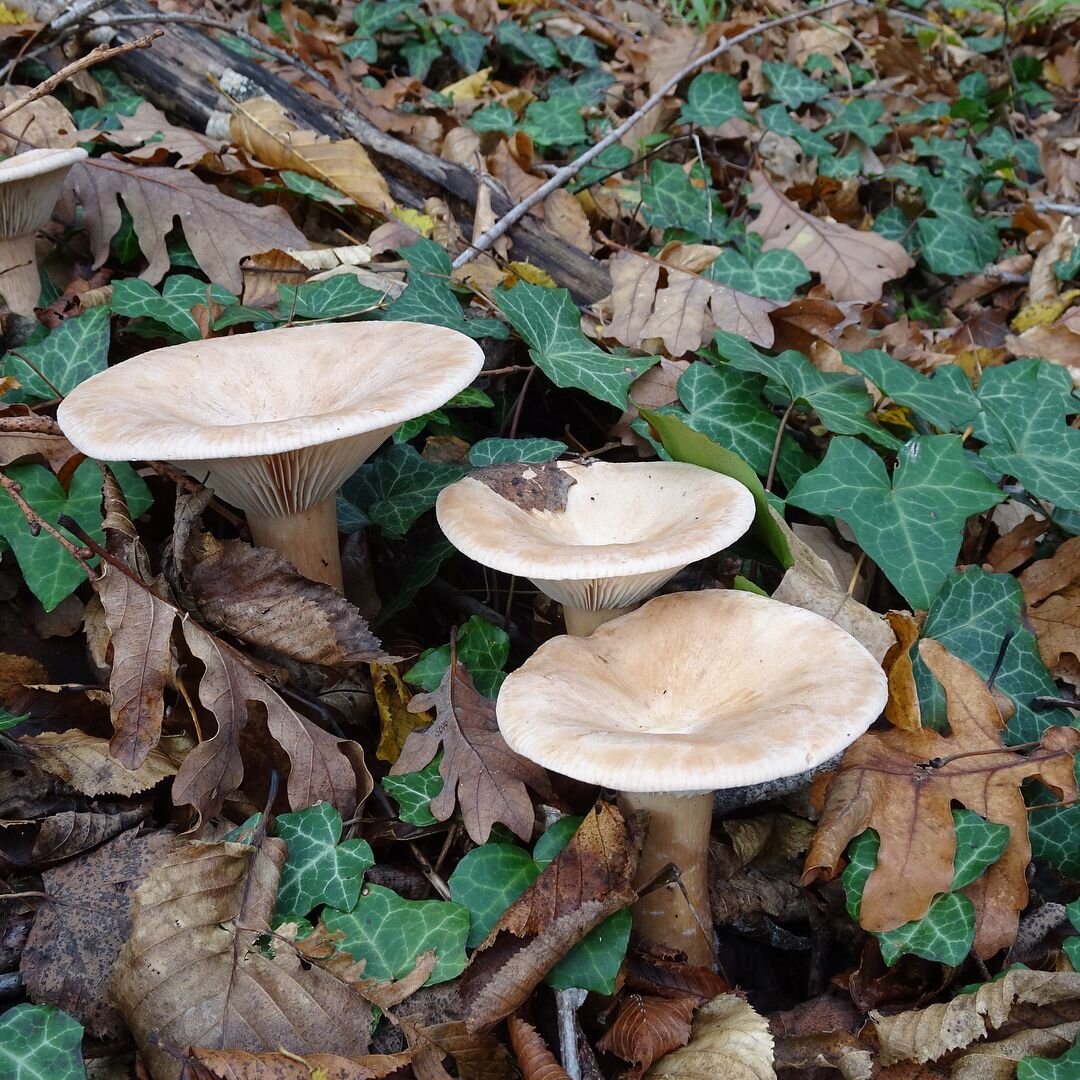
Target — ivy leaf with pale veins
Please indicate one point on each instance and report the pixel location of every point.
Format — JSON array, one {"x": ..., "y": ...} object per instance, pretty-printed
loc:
[
  {"x": 911, "y": 525},
  {"x": 712, "y": 99},
  {"x": 482, "y": 774},
  {"x": 220, "y": 230},
  {"x": 481, "y": 646},
  {"x": 952, "y": 240},
  {"x": 332, "y": 298},
  {"x": 65, "y": 356},
  {"x": 774, "y": 275},
  {"x": 550, "y": 323},
  {"x": 789, "y": 85},
  {"x": 672, "y": 198},
  {"x": 320, "y": 869},
  {"x": 173, "y": 305},
  {"x": 496, "y": 451},
  {"x": 39, "y": 1042}
]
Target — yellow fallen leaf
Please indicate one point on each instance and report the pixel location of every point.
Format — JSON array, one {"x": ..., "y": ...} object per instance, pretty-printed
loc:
[
  {"x": 1044, "y": 312},
  {"x": 523, "y": 271},
  {"x": 12, "y": 16},
  {"x": 467, "y": 89},
  {"x": 424, "y": 224},
  {"x": 897, "y": 415},
  {"x": 392, "y": 698}
]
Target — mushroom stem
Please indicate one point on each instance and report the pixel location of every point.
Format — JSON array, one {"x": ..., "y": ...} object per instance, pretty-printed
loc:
[
  {"x": 20, "y": 284},
  {"x": 308, "y": 539},
  {"x": 581, "y": 623},
  {"x": 679, "y": 830}
]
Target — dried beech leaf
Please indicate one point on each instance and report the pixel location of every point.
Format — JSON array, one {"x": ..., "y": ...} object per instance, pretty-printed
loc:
[
  {"x": 239, "y": 1065},
  {"x": 536, "y": 1060},
  {"x": 887, "y": 781},
  {"x": 729, "y": 1041},
  {"x": 84, "y": 762},
  {"x": 482, "y": 775},
  {"x": 262, "y": 127},
  {"x": 192, "y": 973},
  {"x": 65, "y": 835},
  {"x": 588, "y": 881},
  {"x": 477, "y": 1056},
  {"x": 647, "y": 1028},
  {"x": 927, "y": 1034},
  {"x": 854, "y": 265}
]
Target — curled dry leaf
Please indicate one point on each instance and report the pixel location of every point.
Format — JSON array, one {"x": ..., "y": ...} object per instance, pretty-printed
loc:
[
  {"x": 904, "y": 783},
  {"x": 70, "y": 833},
  {"x": 729, "y": 1041},
  {"x": 85, "y": 762},
  {"x": 854, "y": 265},
  {"x": 192, "y": 973},
  {"x": 588, "y": 881},
  {"x": 536, "y": 1060},
  {"x": 396, "y": 721},
  {"x": 647, "y": 1028},
  {"x": 481, "y": 774},
  {"x": 476, "y": 1056},
  {"x": 923, "y": 1035},
  {"x": 263, "y": 128},
  {"x": 902, "y": 710},
  {"x": 1052, "y": 593}
]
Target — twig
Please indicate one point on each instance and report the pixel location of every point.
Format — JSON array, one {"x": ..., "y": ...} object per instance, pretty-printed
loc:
[
  {"x": 75, "y": 13},
  {"x": 776, "y": 446},
  {"x": 568, "y": 172},
  {"x": 29, "y": 425},
  {"x": 96, "y": 56},
  {"x": 1071, "y": 209},
  {"x": 36, "y": 523}
]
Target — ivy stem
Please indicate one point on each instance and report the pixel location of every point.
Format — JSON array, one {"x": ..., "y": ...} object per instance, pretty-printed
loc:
[{"x": 776, "y": 445}]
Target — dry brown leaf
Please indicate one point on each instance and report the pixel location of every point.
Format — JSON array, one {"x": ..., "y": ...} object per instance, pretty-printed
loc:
[
  {"x": 16, "y": 446},
  {"x": 588, "y": 881},
  {"x": 928, "y": 1034},
  {"x": 1052, "y": 593},
  {"x": 672, "y": 978},
  {"x": 207, "y": 1064},
  {"x": 854, "y": 265},
  {"x": 650, "y": 300},
  {"x": 564, "y": 216},
  {"x": 148, "y": 122},
  {"x": 998, "y": 1060},
  {"x": 889, "y": 781},
  {"x": 477, "y": 1056},
  {"x": 192, "y": 973},
  {"x": 84, "y": 762},
  {"x": 536, "y": 1060},
  {"x": 396, "y": 721},
  {"x": 647, "y": 1028},
  {"x": 82, "y": 924},
  {"x": 70, "y": 833},
  {"x": 482, "y": 775},
  {"x": 263, "y": 128},
  {"x": 219, "y": 230},
  {"x": 729, "y": 1041},
  {"x": 44, "y": 122},
  {"x": 1017, "y": 546},
  {"x": 902, "y": 710}
]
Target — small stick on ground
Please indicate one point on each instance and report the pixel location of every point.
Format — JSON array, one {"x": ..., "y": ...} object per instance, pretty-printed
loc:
[
  {"x": 95, "y": 56},
  {"x": 35, "y": 522}
]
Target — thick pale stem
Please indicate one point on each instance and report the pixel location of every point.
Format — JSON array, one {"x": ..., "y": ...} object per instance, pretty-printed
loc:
[
  {"x": 581, "y": 623},
  {"x": 308, "y": 539},
  {"x": 679, "y": 828},
  {"x": 19, "y": 282}
]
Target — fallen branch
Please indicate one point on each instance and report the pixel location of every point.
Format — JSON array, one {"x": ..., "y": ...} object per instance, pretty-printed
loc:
[{"x": 96, "y": 56}]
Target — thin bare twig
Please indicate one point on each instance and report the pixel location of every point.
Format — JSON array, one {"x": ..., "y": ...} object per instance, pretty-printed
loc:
[
  {"x": 29, "y": 425},
  {"x": 35, "y": 522},
  {"x": 95, "y": 56},
  {"x": 776, "y": 446}
]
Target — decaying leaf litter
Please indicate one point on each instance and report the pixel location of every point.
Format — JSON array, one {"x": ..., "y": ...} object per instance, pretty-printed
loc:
[{"x": 255, "y": 824}]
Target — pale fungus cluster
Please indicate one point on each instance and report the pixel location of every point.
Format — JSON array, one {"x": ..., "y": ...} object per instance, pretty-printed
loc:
[{"x": 664, "y": 703}]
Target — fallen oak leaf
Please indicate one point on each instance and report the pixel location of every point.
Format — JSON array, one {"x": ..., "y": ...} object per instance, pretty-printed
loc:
[
  {"x": 646, "y": 1028},
  {"x": 588, "y": 881},
  {"x": 1052, "y": 595},
  {"x": 481, "y": 774},
  {"x": 903, "y": 784}
]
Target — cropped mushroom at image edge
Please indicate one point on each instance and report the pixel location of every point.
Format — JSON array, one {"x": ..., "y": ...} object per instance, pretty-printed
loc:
[
  {"x": 596, "y": 536},
  {"x": 273, "y": 421},
  {"x": 692, "y": 693}
]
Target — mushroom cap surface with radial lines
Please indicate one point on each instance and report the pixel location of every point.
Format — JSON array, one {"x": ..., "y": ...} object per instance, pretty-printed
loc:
[
  {"x": 693, "y": 692},
  {"x": 30, "y": 184},
  {"x": 594, "y": 535},
  {"x": 274, "y": 421}
]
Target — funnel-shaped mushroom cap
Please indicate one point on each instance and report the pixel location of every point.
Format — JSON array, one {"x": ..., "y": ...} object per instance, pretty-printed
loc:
[
  {"x": 274, "y": 421},
  {"x": 594, "y": 535},
  {"x": 29, "y": 187},
  {"x": 693, "y": 692}
]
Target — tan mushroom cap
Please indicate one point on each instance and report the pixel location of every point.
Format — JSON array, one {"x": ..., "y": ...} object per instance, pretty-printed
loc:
[
  {"x": 693, "y": 692},
  {"x": 30, "y": 184},
  {"x": 274, "y": 421},
  {"x": 594, "y": 535}
]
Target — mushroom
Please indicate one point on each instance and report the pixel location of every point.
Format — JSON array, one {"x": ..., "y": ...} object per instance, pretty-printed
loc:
[
  {"x": 691, "y": 693},
  {"x": 273, "y": 421},
  {"x": 29, "y": 187},
  {"x": 596, "y": 536}
]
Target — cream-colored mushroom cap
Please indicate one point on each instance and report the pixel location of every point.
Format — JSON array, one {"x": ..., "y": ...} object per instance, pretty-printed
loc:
[
  {"x": 29, "y": 187},
  {"x": 693, "y": 692},
  {"x": 276, "y": 420},
  {"x": 594, "y": 535}
]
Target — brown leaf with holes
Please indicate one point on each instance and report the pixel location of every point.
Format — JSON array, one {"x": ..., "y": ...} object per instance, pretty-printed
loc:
[
  {"x": 193, "y": 974},
  {"x": 536, "y": 1060},
  {"x": 904, "y": 783},
  {"x": 588, "y": 881},
  {"x": 647, "y": 1028},
  {"x": 853, "y": 264},
  {"x": 483, "y": 777}
]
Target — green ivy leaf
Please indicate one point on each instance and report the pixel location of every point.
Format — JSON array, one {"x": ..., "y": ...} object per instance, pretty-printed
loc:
[
  {"x": 789, "y": 85},
  {"x": 430, "y": 298},
  {"x": 859, "y": 117},
  {"x": 172, "y": 306},
  {"x": 1066, "y": 1067},
  {"x": 397, "y": 487},
  {"x": 945, "y": 399},
  {"x": 979, "y": 844},
  {"x": 311, "y": 188},
  {"x": 320, "y": 869},
  {"x": 580, "y": 50},
  {"x": 550, "y": 324},
  {"x": 426, "y": 554},
  {"x": 674, "y": 199},
  {"x": 66, "y": 356},
  {"x": 466, "y": 47},
  {"x": 944, "y": 934},
  {"x": 610, "y": 160},
  {"x": 911, "y": 525},
  {"x": 1023, "y": 421},
  {"x": 493, "y": 118},
  {"x": 952, "y": 239},
  {"x": 389, "y": 933},
  {"x": 39, "y": 1042},
  {"x": 420, "y": 55},
  {"x": 533, "y": 46},
  {"x": 496, "y": 451},
  {"x": 414, "y": 791},
  {"x": 332, "y": 298},
  {"x": 481, "y": 647},
  {"x": 487, "y": 881},
  {"x": 774, "y": 274},
  {"x": 777, "y": 119},
  {"x": 712, "y": 99},
  {"x": 555, "y": 122},
  {"x": 593, "y": 963},
  {"x": 841, "y": 401}
]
